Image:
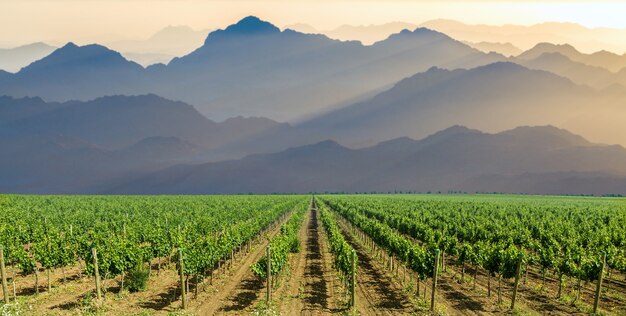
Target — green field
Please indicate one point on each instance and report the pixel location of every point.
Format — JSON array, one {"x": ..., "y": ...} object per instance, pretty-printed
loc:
[{"x": 554, "y": 245}]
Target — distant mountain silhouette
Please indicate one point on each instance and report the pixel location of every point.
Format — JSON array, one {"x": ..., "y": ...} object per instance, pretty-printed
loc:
[
  {"x": 163, "y": 46},
  {"x": 60, "y": 164},
  {"x": 250, "y": 25},
  {"x": 525, "y": 37},
  {"x": 13, "y": 59},
  {"x": 547, "y": 159},
  {"x": 506, "y": 49},
  {"x": 488, "y": 37},
  {"x": 542, "y": 48},
  {"x": 493, "y": 97},
  {"x": 251, "y": 68},
  {"x": 53, "y": 147},
  {"x": 77, "y": 72},
  {"x": 304, "y": 28},
  {"x": 368, "y": 34},
  {"x": 147, "y": 144},
  {"x": 119, "y": 121},
  {"x": 12, "y": 109},
  {"x": 578, "y": 72},
  {"x": 603, "y": 59},
  {"x": 275, "y": 70}
]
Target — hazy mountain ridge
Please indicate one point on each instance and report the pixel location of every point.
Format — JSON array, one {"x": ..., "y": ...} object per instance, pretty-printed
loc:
[
  {"x": 13, "y": 59},
  {"x": 366, "y": 34},
  {"x": 526, "y": 37},
  {"x": 504, "y": 39},
  {"x": 115, "y": 122},
  {"x": 506, "y": 49},
  {"x": 604, "y": 59},
  {"x": 76, "y": 146},
  {"x": 581, "y": 73},
  {"x": 454, "y": 159},
  {"x": 89, "y": 71},
  {"x": 161, "y": 47},
  {"x": 250, "y": 68},
  {"x": 408, "y": 86},
  {"x": 13, "y": 109},
  {"x": 59, "y": 164},
  {"x": 509, "y": 94}
]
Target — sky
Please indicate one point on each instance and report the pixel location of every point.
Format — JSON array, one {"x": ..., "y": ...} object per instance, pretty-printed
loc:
[{"x": 89, "y": 21}]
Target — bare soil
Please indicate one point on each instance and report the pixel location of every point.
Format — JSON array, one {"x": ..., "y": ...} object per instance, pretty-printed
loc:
[
  {"x": 240, "y": 290},
  {"x": 312, "y": 287},
  {"x": 377, "y": 292}
]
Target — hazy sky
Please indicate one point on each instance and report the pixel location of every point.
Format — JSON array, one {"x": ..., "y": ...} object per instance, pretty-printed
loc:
[{"x": 86, "y": 21}]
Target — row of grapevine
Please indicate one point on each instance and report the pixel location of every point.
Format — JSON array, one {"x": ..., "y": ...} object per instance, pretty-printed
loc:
[
  {"x": 497, "y": 235},
  {"x": 345, "y": 256},
  {"x": 56, "y": 232},
  {"x": 282, "y": 245},
  {"x": 419, "y": 258},
  {"x": 338, "y": 245}
]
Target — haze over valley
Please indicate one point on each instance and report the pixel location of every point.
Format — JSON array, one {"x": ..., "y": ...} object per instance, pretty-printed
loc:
[
  {"x": 306, "y": 157},
  {"x": 194, "y": 111}
]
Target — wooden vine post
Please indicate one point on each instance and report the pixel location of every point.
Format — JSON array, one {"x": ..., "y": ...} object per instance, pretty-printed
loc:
[
  {"x": 182, "y": 277},
  {"x": 516, "y": 285},
  {"x": 435, "y": 270},
  {"x": 353, "y": 281},
  {"x": 268, "y": 295},
  {"x": 5, "y": 288},
  {"x": 94, "y": 253},
  {"x": 599, "y": 284}
]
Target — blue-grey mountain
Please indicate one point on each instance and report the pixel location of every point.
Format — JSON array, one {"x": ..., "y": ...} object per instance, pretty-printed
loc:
[
  {"x": 493, "y": 98},
  {"x": 14, "y": 59},
  {"x": 522, "y": 160},
  {"x": 250, "y": 68}
]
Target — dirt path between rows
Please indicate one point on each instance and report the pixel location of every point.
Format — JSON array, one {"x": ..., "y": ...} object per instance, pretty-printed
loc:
[
  {"x": 290, "y": 296},
  {"x": 449, "y": 298},
  {"x": 531, "y": 300},
  {"x": 377, "y": 293},
  {"x": 311, "y": 289},
  {"x": 242, "y": 290},
  {"x": 533, "y": 303}
]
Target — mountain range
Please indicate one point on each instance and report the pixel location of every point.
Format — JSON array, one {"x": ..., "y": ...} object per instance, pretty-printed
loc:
[
  {"x": 176, "y": 41},
  {"x": 257, "y": 109},
  {"x": 506, "y": 49},
  {"x": 522, "y": 160},
  {"x": 527, "y": 36},
  {"x": 116, "y": 122},
  {"x": 493, "y": 97},
  {"x": 366, "y": 34},
  {"x": 121, "y": 145},
  {"x": 13, "y": 59},
  {"x": 250, "y": 68},
  {"x": 161, "y": 47},
  {"x": 494, "y": 36},
  {"x": 75, "y": 146}
]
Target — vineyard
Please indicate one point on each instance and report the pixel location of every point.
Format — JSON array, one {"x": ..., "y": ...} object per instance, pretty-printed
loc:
[{"x": 303, "y": 255}]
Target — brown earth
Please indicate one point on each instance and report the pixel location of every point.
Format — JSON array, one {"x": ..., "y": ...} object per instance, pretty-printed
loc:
[
  {"x": 377, "y": 292},
  {"x": 241, "y": 289},
  {"x": 312, "y": 288}
]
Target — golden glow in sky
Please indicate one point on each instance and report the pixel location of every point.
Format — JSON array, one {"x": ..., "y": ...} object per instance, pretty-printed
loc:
[{"x": 87, "y": 21}]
